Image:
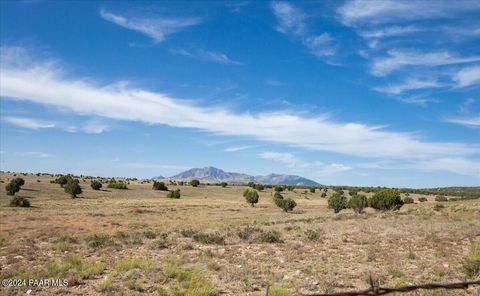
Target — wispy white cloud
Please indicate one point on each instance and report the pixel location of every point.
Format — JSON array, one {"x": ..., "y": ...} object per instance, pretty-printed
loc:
[
  {"x": 355, "y": 12},
  {"x": 35, "y": 154},
  {"x": 334, "y": 168},
  {"x": 291, "y": 21},
  {"x": 211, "y": 56},
  {"x": 237, "y": 148},
  {"x": 465, "y": 105},
  {"x": 155, "y": 28},
  {"x": 451, "y": 164},
  {"x": 43, "y": 85},
  {"x": 467, "y": 76},
  {"x": 398, "y": 59},
  {"x": 409, "y": 84},
  {"x": 419, "y": 100},
  {"x": 391, "y": 31},
  {"x": 285, "y": 158},
  {"x": 472, "y": 121},
  {"x": 30, "y": 123}
]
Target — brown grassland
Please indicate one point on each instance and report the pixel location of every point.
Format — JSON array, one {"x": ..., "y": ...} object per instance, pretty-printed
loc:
[{"x": 211, "y": 242}]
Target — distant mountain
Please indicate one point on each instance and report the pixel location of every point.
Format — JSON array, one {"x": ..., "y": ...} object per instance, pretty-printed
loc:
[
  {"x": 214, "y": 175},
  {"x": 158, "y": 178}
]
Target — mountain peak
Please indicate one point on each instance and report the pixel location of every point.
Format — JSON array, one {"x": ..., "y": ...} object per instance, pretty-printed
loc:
[{"x": 215, "y": 175}]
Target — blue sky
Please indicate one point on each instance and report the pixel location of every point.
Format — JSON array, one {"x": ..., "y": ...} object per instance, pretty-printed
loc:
[{"x": 352, "y": 92}]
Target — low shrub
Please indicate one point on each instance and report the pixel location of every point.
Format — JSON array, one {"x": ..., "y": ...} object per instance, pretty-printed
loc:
[
  {"x": 357, "y": 203},
  {"x": 195, "y": 183},
  {"x": 188, "y": 232},
  {"x": 12, "y": 188},
  {"x": 471, "y": 264},
  {"x": 438, "y": 207},
  {"x": 209, "y": 238},
  {"x": 247, "y": 232},
  {"x": 73, "y": 188},
  {"x": 440, "y": 198},
  {"x": 337, "y": 202},
  {"x": 223, "y": 184},
  {"x": 174, "y": 193},
  {"x": 96, "y": 185},
  {"x": 159, "y": 186},
  {"x": 251, "y": 196},
  {"x": 312, "y": 234},
  {"x": 99, "y": 241},
  {"x": 422, "y": 199},
  {"x": 386, "y": 199},
  {"x": 19, "y": 201},
  {"x": 312, "y": 189},
  {"x": 271, "y": 236},
  {"x": 115, "y": 185},
  {"x": 408, "y": 200}
]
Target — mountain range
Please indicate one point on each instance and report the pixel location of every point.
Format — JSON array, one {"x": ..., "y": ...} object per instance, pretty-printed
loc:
[{"x": 215, "y": 175}]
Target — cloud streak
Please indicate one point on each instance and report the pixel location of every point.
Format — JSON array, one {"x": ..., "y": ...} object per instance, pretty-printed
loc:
[
  {"x": 156, "y": 28},
  {"x": 30, "y": 123},
  {"x": 43, "y": 85},
  {"x": 206, "y": 55}
]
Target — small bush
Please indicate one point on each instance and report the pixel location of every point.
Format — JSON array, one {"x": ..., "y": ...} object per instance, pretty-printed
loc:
[
  {"x": 209, "y": 238},
  {"x": 271, "y": 236},
  {"x": 471, "y": 264},
  {"x": 191, "y": 281},
  {"x": 422, "y": 199},
  {"x": 386, "y": 199},
  {"x": 19, "y": 181},
  {"x": 287, "y": 204},
  {"x": 438, "y": 207},
  {"x": 278, "y": 188},
  {"x": 99, "y": 240},
  {"x": 312, "y": 189},
  {"x": 96, "y": 185},
  {"x": 279, "y": 291},
  {"x": 223, "y": 184},
  {"x": 115, "y": 185},
  {"x": 12, "y": 188},
  {"x": 440, "y": 198},
  {"x": 62, "y": 180},
  {"x": 251, "y": 196},
  {"x": 188, "y": 232},
  {"x": 127, "y": 264},
  {"x": 19, "y": 201},
  {"x": 357, "y": 203},
  {"x": 323, "y": 195},
  {"x": 159, "y": 186},
  {"x": 312, "y": 235},
  {"x": 408, "y": 200},
  {"x": 195, "y": 183},
  {"x": 73, "y": 188},
  {"x": 174, "y": 193},
  {"x": 337, "y": 202},
  {"x": 247, "y": 232}
]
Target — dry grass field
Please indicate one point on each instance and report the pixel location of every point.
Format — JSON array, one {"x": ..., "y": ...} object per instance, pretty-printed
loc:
[{"x": 211, "y": 242}]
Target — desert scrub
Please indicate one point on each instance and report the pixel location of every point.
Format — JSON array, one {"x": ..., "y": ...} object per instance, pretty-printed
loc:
[
  {"x": 209, "y": 238},
  {"x": 247, "y": 232},
  {"x": 385, "y": 200},
  {"x": 189, "y": 281},
  {"x": 188, "y": 232},
  {"x": 422, "y": 199},
  {"x": 271, "y": 236},
  {"x": 313, "y": 234},
  {"x": 174, "y": 193},
  {"x": 74, "y": 266},
  {"x": 97, "y": 241},
  {"x": 106, "y": 284},
  {"x": 19, "y": 201},
  {"x": 408, "y": 200},
  {"x": 471, "y": 264},
  {"x": 440, "y": 198},
  {"x": 337, "y": 202},
  {"x": 279, "y": 291},
  {"x": 127, "y": 264},
  {"x": 115, "y": 185}
]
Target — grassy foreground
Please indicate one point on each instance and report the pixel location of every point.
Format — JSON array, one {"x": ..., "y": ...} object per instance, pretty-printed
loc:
[{"x": 211, "y": 242}]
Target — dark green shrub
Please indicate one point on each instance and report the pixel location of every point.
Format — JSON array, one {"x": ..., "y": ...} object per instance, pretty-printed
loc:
[
  {"x": 259, "y": 187},
  {"x": 251, "y": 196},
  {"x": 312, "y": 234},
  {"x": 96, "y": 185},
  {"x": 312, "y": 189},
  {"x": 247, "y": 232},
  {"x": 441, "y": 198},
  {"x": 62, "y": 180},
  {"x": 99, "y": 240},
  {"x": 73, "y": 188},
  {"x": 422, "y": 199},
  {"x": 188, "y": 232},
  {"x": 286, "y": 204},
  {"x": 195, "y": 183},
  {"x": 209, "y": 238},
  {"x": 271, "y": 236},
  {"x": 12, "y": 188},
  {"x": 19, "y": 181},
  {"x": 408, "y": 200},
  {"x": 337, "y": 202},
  {"x": 159, "y": 186},
  {"x": 357, "y": 203},
  {"x": 19, "y": 201},
  {"x": 386, "y": 199},
  {"x": 278, "y": 188},
  {"x": 115, "y": 185},
  {"x": 438, "y": 207},
  {"x": 323, "y": 195},
  {"x": 174, "y": 193},
  {"x": 223, "y": 184}
]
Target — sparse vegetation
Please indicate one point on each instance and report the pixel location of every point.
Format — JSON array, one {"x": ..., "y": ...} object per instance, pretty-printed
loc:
[
  {"x": 209, "y": 238},
  {"x": 115, "y": 185},
  {"x": 441, "y": 198},
  {"x": 251, "y": 196},
  {"x": 386, "y": 199},
  {"x": 471, "y": 264},
  {"x": 357, "y": 203},
  {"x": 408, "y": 200},
  {"x": 174, "y": 193},
  {"x": 96, "y": 185},
  {"x": 19, "y": 201},
  {"x": 72, "y": 187},
  {"x": 157, "y": 185},
  {"x": 195, "y": 183},
  {"x": 337, "y": 202}
]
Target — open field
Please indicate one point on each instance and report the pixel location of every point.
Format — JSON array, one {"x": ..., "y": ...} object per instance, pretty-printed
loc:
[{"x": 211, "y": 242}]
